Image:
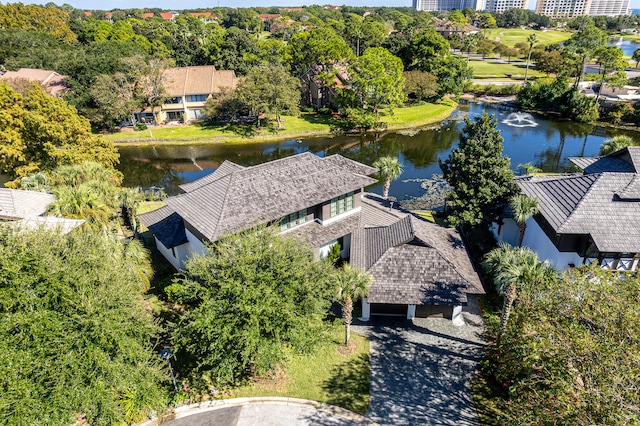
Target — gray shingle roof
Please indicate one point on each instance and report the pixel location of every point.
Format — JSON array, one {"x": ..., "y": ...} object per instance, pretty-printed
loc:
[
  {"x": 166, "y": 225},
  {"x": 411, "y": 274},
  {"x": 412, "y": 261},
  {"x": 349, "y": 164},
  {"x": 626, "y": 160},
  {"x": 316, "y": 235},
  {"x": 19, "y": 204},
  {"x": 588, "y": 204},
  {"x": 265, "y": 192},
  {"x": 225, "y": 168}
]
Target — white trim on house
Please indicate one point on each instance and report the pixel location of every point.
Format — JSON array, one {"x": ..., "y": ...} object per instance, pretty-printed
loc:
[{"x": 338, "y": 217}]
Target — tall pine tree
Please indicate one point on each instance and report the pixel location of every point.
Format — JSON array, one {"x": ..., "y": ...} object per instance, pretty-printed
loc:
[{"x": 478, "y": 173}]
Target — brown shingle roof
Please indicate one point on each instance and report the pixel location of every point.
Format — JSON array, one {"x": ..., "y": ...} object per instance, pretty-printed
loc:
[
  {"x": 206, "y": 79},
  {"x": 51, "y": 81}
]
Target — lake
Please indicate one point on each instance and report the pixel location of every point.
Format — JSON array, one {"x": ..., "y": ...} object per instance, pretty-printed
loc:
[{"x": 544, "y": 142}]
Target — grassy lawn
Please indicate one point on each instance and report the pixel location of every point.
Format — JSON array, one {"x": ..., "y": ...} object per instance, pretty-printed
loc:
[
  {"x": 149, "y": 206},
  {"x": 325, "y": 376},
  {"x": 487, "y": 68},
  {"x": 419, "y": 115},
  {"x": 511, "y": 36},
  {"x": 307, "y": 124}
]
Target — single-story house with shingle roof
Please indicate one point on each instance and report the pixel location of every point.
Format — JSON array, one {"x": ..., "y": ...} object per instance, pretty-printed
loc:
[
  {"x": 419, "y": 269},
  {"x": 586, "y": 217}
]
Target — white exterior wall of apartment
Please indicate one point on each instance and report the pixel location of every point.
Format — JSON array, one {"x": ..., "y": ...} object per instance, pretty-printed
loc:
[
  {"x": 609, "y": 8},
  {"x": 567, "y": 8},
  {"x": 196, "y": 246},
  {"x": 503, "y": 5},
  {"x": 437, "y": 5}
]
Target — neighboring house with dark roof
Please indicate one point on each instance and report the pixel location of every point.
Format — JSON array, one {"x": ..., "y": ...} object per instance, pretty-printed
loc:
[
  {"x": 50, "y": 81},
  {"x": 419, "y": 269},
  {"x": 186, "y": 91},
  {"x": 27, "y": 209},
  {"x": 586, "y": 217}
]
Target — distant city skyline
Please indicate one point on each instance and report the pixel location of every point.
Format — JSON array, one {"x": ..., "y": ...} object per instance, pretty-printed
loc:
[{"x": 208, "y": 4}]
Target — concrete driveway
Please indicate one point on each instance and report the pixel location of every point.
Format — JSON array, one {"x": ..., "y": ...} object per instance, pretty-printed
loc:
[{"x": 420, "y": 371}]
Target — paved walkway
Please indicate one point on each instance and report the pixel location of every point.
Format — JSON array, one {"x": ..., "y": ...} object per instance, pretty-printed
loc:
[
  {"x": 267, "y": 411},
  {"x": 420, "y": 372}
]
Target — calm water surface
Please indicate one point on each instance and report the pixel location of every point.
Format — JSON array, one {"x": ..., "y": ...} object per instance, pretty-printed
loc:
[{"x": 547, "y": 145}]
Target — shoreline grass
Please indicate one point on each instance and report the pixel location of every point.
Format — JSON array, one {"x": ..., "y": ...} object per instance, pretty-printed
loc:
[
  {"x": 306, "y": 125},
  {"x": 324, "y": 375}
]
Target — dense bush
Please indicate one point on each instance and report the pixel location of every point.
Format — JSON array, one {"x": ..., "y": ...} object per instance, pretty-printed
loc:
[
  {"x": 571, "y": 353},
  {"x": 559, "y": 97}
]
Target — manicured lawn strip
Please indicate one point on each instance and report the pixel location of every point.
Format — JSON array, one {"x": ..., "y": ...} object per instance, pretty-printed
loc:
[
  {"x": 149, "y": 206},
  {"x": 489, "y": 68},
  {"x": 512, "y": 36},
  {"x": 325, "y": 376},
  {"x": 307, "y": 124},
  {"x": 419, "y": 115}
]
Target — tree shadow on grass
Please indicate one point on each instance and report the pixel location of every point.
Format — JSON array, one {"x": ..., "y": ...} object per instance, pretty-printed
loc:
[{"x": 348, "y": 386}]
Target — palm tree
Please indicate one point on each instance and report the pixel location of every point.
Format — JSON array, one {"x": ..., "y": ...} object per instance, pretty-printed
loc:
[
  {"x": 615, "y": 144},
  {"x": 512, "y": 267},
  {"x": 531, "y": 40},
  {"x": 353, "y": 283},
  {"x": 523, "y": 207},
  {"x": 389, "y": 168}
]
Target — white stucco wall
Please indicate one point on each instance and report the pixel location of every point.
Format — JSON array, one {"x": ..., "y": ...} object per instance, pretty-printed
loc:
[
  {"x": 182, "y": 252},
  {"x": 197, "y": 246},
  {"x": 537, "y": 240}
]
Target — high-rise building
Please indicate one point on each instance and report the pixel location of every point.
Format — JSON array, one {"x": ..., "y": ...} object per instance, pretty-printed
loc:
[
  {"x": 502, "y": 5},
  {"x": 609, "y": 7},
  {"x": 437, "y": 5},
  {"x": 571, "y": 8},
  {"x": 568, "y": 8},
  {"x": 488, "y": 5}
]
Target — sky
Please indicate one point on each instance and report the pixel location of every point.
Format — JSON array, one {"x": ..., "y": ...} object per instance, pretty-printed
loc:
[{"x": 205, "y": 4}]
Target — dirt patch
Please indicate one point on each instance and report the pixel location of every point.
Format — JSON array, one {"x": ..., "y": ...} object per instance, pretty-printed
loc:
[
  {"x": 275, "y": 379},
  {"x": 348, "y": 349}
]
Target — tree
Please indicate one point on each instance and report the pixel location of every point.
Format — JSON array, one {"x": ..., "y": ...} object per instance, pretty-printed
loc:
[
  {"x": 250, "y": 299},
  {"x": 376, "y": 79},
  {"x": 420, "y": 86},
  {"x": 389, "y": 168},
  {"x": 271, "y": 90},
  {"x": 246, "y": 19},
  {"x": 75, "y": 338},
  {"x": 510, "y": 52},
  {"x": 610, "y": 58},
  {"x": 585, "y": 42},
  {"x": 479, "y": 173},
  {"x": 546, "y": 368},
  {"x": 523, "y": 208},
  {"x": 636, "y": 57},
  {"x": 616, "y": 144},
  {"x": 235, "y": 45},
  {"x": 512, "y": 268},
  {"x": 531, "y": 41},
  {"x": 320, "y": 46},
  {"x": 40, "y": 132},
  {"x": 353, "y": 283}
]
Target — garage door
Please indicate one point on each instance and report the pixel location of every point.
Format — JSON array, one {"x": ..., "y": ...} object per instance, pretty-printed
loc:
[
  {"x": 434, "y": 311},
  {"x": 388, "y": 309}
]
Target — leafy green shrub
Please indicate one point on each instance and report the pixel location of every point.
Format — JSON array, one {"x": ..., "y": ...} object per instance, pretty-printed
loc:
[
  {"x": 140, "y": 126},
  {"x": 325, "y": 111}
]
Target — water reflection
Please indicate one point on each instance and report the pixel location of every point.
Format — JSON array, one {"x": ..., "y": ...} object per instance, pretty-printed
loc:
[{"x": 547, "y": 146}]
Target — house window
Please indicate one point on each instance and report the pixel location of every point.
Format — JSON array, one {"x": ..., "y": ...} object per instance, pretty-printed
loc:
[
  {"x": 196, "y": 98},
  {"x": 341, "y": 204},
  {"x": 174, "y": 100},
  {"x": 294, "y": 219}
]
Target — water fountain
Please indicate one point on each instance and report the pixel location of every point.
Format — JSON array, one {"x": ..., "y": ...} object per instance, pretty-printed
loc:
[{"x": 520, "y": 119}]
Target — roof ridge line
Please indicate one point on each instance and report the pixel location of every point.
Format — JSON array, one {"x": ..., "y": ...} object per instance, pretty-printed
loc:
[
  {"x": 224, "y": 201},
  {"x": 597, "y": 177}
]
